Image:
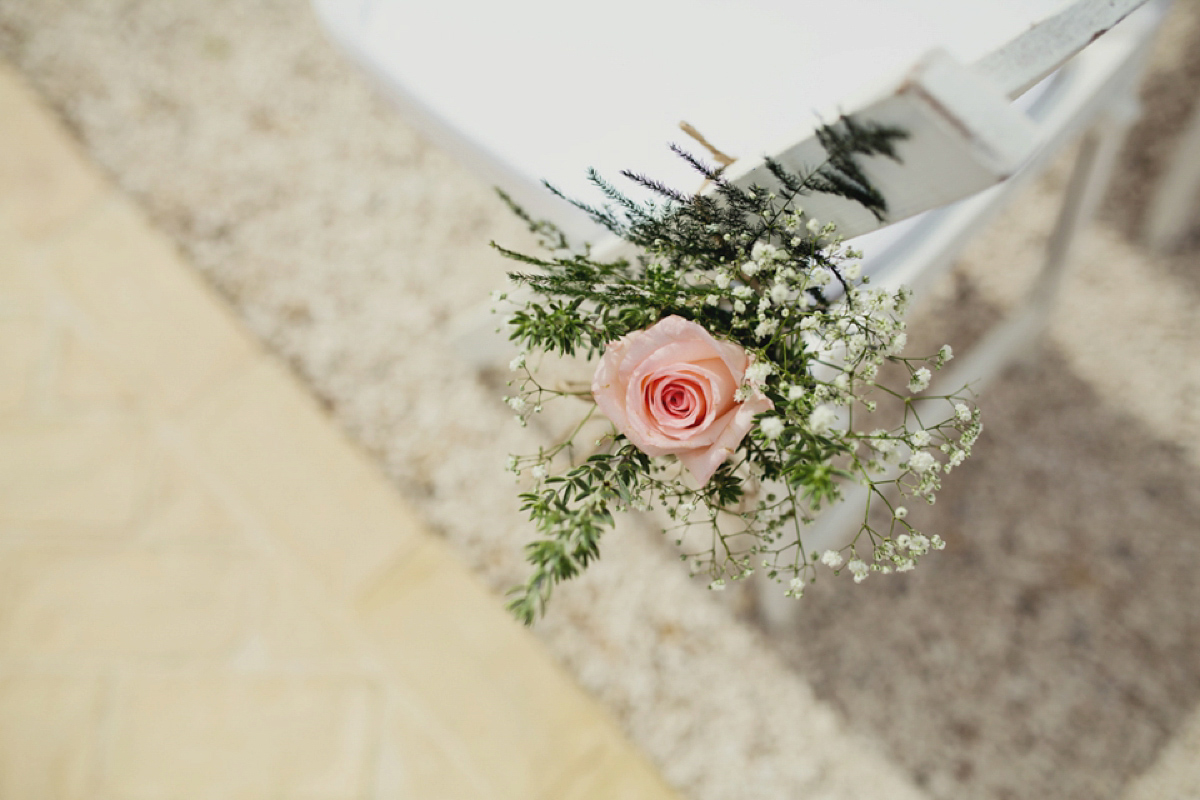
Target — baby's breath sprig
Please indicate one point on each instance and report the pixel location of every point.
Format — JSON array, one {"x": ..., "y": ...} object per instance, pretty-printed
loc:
[{"x": 815, "y": 352}]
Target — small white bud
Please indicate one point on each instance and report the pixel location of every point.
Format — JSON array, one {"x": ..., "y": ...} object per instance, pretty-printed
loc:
[
  {"x": 921, "y": 462},
  {"x": 822, "y": 419},
  {"x": 832, "y": 559},
  {"x": 757, "y": 372},
  {"x": 771, "y": 427},
  {"x": 920, "y": 380}
]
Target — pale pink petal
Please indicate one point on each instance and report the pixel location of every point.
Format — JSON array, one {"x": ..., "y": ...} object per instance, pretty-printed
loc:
[
  {"x": 644, "y": 431},
  {"x": 666, "y": 439},
  {"x": 734, "y": 356},
  {"x": 678, "y": 329},
  {"x": 703, "y": 463},
  {"x": 680, "y": 402},
  {"x": 608, "y": 393},
  {"x": 724, "y": 385},
  {"x": 718, "y": 385},
  {"x": 670, "y": 390},
  {"x": 642, "y": 360}
]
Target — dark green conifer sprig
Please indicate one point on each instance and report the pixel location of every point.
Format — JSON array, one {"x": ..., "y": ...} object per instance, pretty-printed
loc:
[
  {"x": 748, "y": 266},
  {"x": 842, "y": 175}
]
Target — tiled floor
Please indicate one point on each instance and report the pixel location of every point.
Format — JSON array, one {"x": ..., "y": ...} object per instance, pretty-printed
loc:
[{"x": 205, "y": 590}]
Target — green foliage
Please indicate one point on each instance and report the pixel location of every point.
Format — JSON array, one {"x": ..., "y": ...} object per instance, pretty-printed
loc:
[{"x": 571, "y": 512}]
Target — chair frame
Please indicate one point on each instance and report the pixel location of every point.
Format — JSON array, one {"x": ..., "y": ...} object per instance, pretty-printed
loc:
[{"x": 1100, "y": 120}]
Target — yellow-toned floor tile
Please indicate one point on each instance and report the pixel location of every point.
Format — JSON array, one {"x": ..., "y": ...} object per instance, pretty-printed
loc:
[
  {"x": 183, "y": 511},
  {"x": 22, "y": 342},
  {"x": 82, "y": 377},
  {"x": 296, "y": 627},
  {"x": 22, "y": 291},
  {"x": 419, "y": 759},
  {"x": 44, "y": 179},
  {"x": 85, "y": 473},
  {"x": 271, "y": 446},
  {"x": 520, "y": 723},
  {"x": 271, "y": 619},
  {"x": 127, "y": 605},
  {"x": 233, "y": 737},
  {"x": 151, "y": 315},
  {"x": 48, "y": 742}
]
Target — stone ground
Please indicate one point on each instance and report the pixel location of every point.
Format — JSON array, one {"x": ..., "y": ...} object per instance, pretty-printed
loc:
[{"x": 1052, "y": 650}]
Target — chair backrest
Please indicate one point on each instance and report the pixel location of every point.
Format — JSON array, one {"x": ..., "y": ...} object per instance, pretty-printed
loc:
[
  {"x": 965, "y": 134},
  {"x": 539, "y": 89}
]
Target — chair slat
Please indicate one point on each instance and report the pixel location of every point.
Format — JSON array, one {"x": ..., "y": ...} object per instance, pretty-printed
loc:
[
  {"x": 963, "y": 137},
  {"x": 1019, "y": 64}
]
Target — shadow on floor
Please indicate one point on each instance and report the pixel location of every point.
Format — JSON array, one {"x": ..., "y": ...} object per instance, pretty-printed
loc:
[{"x": 1055, "y": 645}]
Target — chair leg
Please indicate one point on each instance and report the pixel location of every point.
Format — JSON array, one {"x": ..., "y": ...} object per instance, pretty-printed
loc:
[
  {"x": 1092, "y": 173},
  {"x": 1016, "y": 334},
  {"x": 1173, "y": 208}
]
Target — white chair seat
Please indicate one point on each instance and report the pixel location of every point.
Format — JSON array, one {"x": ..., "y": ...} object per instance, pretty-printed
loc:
[{"x": 541, "y": 90}]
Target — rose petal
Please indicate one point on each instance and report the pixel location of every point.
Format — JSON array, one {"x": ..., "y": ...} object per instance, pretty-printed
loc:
[
  {"x": 651, "y": 430},
  {"x": 674, "y": 330},
  {"x": 703, "y": 463},
  {"x": 607, "y": 391},
  {"x": 671, "y": 388},
  {"x": 716, "y": 385},
  {"x": 679, "y": 402}
]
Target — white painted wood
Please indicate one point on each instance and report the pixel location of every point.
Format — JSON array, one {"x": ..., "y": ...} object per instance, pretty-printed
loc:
[
  {"x": 1018, "y": 65},
  {"x": 1099, "y": 91},
  {"x": 964, "y": 136},
  {"x": 539, "y": 89},
  {"x": 1014, "y": 334},
  {"x": 530, "y": 90},
  {"x": 1097, "y": 82}
]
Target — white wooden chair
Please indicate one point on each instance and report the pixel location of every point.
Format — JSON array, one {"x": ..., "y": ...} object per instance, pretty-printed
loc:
[{"x": 539, "y": 89}]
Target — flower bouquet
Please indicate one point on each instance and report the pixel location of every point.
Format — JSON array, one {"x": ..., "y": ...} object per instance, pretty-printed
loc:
[{"x": 743, "y": 365}]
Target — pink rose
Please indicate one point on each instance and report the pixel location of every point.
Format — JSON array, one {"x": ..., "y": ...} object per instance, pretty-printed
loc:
[{"x": 670, "y": 389}]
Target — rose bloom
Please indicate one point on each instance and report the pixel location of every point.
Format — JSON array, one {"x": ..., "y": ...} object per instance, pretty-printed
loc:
[{"x": 670, "y": 389}]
